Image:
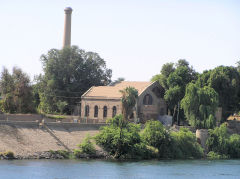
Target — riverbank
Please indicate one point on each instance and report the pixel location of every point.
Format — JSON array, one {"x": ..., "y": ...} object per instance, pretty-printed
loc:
[
  {"x": 52, "y": 155},
  {"x": 30, "y": 141}
]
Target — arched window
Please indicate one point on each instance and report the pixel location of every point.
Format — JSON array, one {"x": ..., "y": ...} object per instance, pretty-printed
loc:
[
  {"x": 114, "y": 111},
  {"x": 95, "y": 111},
  {"x": 86, "y": 111},
  {"x": 105, "y": 111},
  {"x": 147, "y": 100}
]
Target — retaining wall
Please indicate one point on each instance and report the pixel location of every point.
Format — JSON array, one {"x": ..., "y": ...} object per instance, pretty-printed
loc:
[{"x": 21, "y": 117}]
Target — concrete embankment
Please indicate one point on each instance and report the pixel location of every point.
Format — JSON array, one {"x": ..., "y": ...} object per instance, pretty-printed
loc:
[{"x": 29, "y": 138}]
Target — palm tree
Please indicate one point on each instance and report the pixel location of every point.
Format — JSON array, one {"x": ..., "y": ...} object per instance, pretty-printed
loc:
[{"x": 129, "y": 98}]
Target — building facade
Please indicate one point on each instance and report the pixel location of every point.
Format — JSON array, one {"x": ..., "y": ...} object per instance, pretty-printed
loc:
[{"x": 104, "y": 102}]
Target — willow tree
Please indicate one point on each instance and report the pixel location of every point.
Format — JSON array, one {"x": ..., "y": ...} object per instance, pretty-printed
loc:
[
  {"x": 225, "y": 80},
  {"x": 199, "y": 105},
  {"x": 129, "y": 99}
]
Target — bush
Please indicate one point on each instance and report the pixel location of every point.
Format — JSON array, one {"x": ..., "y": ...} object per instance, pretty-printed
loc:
[
  {"x": 234, "y": 146},
  {"x": 222, "y": 143},
  {"x": 55, "y": 117},
  {"x": 154, "y": 134},
  {"x": 65, "y": 154},
  {"x": 77, "y": 153},
  {"x": 212, "y": 155},
  {"x": 141, "y": 151},
  {"x": 9, "y": 154},
  {"x": 184, "y": 145},
  {"x": 86, "y": 147},
  {"x": 121, "y": 139},
  {"x": 218, "y": 140},
  {"x": 176, "y": 145}
]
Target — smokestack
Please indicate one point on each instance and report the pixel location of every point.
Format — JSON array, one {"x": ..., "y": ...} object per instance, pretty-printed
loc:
[{"x": 67, "y": 27}]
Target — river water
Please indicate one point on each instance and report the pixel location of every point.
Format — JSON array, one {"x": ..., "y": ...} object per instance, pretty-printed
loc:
[{"x": 64, "y": 169}]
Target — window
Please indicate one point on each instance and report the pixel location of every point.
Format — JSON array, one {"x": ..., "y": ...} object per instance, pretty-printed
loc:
[
  {"x": 86, "y": 111},
  {"x": 114, "y": 111},
  {"x": 96, "y": 111},
  {"x": 105, "y": 111},
  {"x": 147, "y": 100}
]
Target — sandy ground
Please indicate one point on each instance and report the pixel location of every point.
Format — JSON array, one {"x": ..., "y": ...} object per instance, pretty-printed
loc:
[{"x": 29, "y": 140}]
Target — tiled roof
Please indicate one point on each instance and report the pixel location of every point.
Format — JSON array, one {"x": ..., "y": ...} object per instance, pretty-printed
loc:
[{"x": 113, "y": 92}]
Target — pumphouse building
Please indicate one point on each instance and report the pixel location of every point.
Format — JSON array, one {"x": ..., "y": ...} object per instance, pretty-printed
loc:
[{"x": 103, "y": 102}]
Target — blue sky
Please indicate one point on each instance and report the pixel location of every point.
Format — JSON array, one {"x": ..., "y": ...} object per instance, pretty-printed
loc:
[{"x": 134, "y": 37}]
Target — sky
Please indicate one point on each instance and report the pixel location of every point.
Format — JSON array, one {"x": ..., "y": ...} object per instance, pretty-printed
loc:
[{"x": 134, "y": 37}]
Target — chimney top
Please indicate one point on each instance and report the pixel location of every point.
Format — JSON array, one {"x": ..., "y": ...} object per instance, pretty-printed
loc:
[{"x": 68, "y": 10}]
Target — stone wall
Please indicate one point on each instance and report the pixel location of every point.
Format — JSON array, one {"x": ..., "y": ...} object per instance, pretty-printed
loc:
[
  {"x": 202, "y": 136},
  {"x": 21, "y": 117},
  {"x": 38, "y": 118}
]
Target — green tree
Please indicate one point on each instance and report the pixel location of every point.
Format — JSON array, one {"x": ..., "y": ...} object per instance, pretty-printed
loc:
[
  {"x": 116, "y": 81},
  {"x": 174, "y": 78},
  {"x": 238, "y": 66},
  {"x": 16, "y": 91},
  {"x": 166, "y": 70},
  {"x": 129, "y": 99},
  {"x": 68, "y": 73},
  {"x": 226, "y": 82},
  {"x": 199, "y": 106},
  {"x": 177, "y": 82}
]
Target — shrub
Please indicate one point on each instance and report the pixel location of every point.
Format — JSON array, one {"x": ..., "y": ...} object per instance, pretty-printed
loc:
[
  {"x": 212, "y": 155},
  {"x": 86, "y": 146},
  {"x": 121, "y": 139},
  {"x": 184, "y": 145},
  {"x": 234, "y": 146},
  {"x": 65, "y": 154},
  {"x": 218, "y": 140},
  {"x": 154, "y": 134},
  {"x": 9, "y": 154},
  {"x": 77, "y": 153},
  {"x": 55, "y": 117},
  {"x": 141, "y": 151},
  {"x": 222, "y": 143}
]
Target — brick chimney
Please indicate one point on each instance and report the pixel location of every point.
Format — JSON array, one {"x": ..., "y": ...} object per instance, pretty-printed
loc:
[{"x": 67, "y": 27}]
